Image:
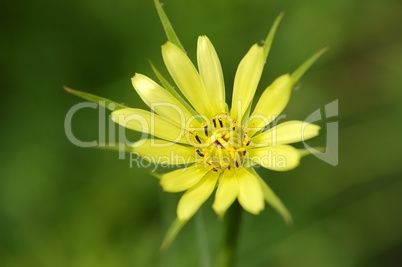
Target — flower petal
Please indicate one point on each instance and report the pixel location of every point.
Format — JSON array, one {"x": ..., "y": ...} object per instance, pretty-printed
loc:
[
  {"x": 146, "y": 122},
  {"x": 160, "y": 100},
  {"x": 166, "y": 85},
  {"x": 277, "y": 158},
  {"x": 226, "y": 193},
  {"x": 192, "y": 200},
  {"x": 271, "y": 103},
  {"x": 182, "y": 179},
  {"x": 248, "y": 75},
  {"x": 272, "y": 199},
  {"x": 162, "y": 152},
  {"x": 210, "y": 70},
  {"x": 250, "y": 192},
  {"x": 187, "y": 78},
  {"x": 286, "y": 133}
]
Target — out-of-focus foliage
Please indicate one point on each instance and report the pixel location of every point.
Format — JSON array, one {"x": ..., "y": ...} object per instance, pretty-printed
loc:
[{"x": 61, "y": 205}]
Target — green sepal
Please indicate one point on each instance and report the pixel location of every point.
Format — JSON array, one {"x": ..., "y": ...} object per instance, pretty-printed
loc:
[
  {"x": 271, "y": 34},
  {"x": 305, "y": 152},
  {"x": 104, "y": 102},
  {"x": 157, "y": 175},
  {"x": 171, "y": 234},
  {"x": 115, "y": 147},
  {"x": 272, "y": 199},
  {"x": 299, "y": 72},
  {"x": 167, "y": 26}
]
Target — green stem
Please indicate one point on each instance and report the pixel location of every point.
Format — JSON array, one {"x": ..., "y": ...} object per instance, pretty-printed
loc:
[
  {"x": 202, "y": 240},
  {"x": 232, "y": 222}
]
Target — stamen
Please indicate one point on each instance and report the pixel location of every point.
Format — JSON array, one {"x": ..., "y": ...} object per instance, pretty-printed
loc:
[
  {"x": 206, "y": 130},
  {"x": 199, "y": 153},
  {"x": 197, "y": 138},
  {"x": 217, "y": 143},
  {"x": 225, "y": 147}
]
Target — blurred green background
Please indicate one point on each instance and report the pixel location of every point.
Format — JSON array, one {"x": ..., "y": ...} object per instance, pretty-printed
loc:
[{"x": 62, "y": 205}]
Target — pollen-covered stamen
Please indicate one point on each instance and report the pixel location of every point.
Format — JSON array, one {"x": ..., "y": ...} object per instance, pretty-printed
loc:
[
  {"x": 193, "y": 138},
  {"x": 247, "y": 139},
  {"x": 218, "y": 144},
  {"x": 223, "y": 144},
  {"x": 199, "y": 153},
  {"x": 220, "y": 122},
  {"x": 197, "y": 138}
]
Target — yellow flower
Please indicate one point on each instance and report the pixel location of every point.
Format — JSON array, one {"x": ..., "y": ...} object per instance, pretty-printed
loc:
[{"x": 219, "y": 146}]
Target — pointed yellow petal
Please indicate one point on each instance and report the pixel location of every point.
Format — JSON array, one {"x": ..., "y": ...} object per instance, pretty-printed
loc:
[
  {"x": 286, "y": 133},
  {"x": 160, "y": 100},
  {"x": 226, "y": 193},
  {"x": 210, "y": 70},
  {"x": 161, "y": 153},
  {"x": 150, "y": 123},
  {"x": 192, "y": 200},
  {"x": 271, "y": 103},
  {"x": 250, "y": 192},
  {"x": 277, "y": 158},
  {"x": 273, "y": 200},
  {"x": 187, "y": 78},
  {"x": 165, "y": 84},
  {"x": 246, "y": 80},
  {"x": 182, "y": 179}
]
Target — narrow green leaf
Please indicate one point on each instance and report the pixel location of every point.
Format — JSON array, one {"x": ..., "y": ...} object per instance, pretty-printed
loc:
[
  {"x": 172, "y": 233},
  {"x": 167, "y": 26},
  {"x": 104, "y": 102},
  {"x": 299, "y": 72},
  {"x": 271, "y": 34},
  {"x": 171, "y": 90},
  {"x": 272, "y": 199}
]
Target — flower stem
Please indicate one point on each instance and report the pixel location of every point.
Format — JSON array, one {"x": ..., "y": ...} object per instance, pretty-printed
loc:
[
  {"x": 202, "y": 240},
  {"x": 228, "y": 250}
]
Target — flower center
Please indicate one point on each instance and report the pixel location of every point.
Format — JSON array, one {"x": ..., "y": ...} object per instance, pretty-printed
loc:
[{"x": 221, "y": 142}]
